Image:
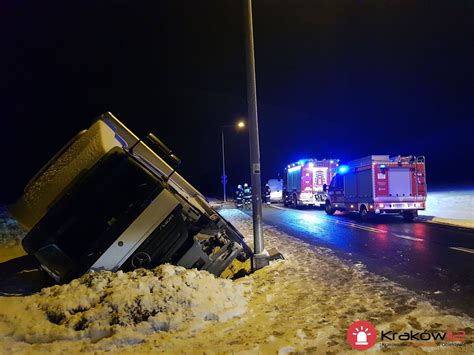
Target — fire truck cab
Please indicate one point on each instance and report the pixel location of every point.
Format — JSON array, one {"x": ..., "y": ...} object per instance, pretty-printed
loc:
[
  {"x": 306, "y": 180},
  {"x": 379, "y": 184}
]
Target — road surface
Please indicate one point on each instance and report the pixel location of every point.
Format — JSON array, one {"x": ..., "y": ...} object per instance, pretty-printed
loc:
[{"x": 436, "y": 261}]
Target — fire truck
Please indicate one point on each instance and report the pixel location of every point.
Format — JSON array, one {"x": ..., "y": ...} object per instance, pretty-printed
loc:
[
  {"x": 379, "y": 184},
  {"x": 305, "y": 181}
]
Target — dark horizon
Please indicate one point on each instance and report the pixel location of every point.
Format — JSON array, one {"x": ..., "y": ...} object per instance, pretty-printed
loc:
[{"x": 339, "y": 79}]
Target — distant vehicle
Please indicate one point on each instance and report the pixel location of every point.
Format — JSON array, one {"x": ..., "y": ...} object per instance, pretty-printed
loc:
[
  {"x": 379, "y": 184},
  {"x": 276, "y": 190},
  {"x": 305, "y": 180}
]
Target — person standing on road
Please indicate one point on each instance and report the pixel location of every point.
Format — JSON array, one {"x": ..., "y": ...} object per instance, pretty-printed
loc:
[
  {"x": 266, "y": 194},
  {"x": 247, "y": 195}
]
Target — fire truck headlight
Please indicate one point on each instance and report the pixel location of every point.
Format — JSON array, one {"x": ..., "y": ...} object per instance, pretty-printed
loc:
[{"x": 381, "y": 205}]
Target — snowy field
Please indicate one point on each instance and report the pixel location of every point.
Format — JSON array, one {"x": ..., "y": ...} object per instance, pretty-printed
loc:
[
  {"x": 454, "y": 207},
  {"x": 302, "y": 304}
]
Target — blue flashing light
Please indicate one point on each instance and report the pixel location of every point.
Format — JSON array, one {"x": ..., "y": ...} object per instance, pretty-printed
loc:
[
  {"x": 301, "y": 162},
  {"x": 343, "y": 169},
  {"x": 311, "y": 164}
]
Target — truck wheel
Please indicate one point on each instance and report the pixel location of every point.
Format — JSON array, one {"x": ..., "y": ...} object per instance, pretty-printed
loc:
[
  {"x": 408, "y": 216},
  {"x": 328, "y": 208},
  {"x": 363, "y": 214},
  {"x": 295, "y": 201}
]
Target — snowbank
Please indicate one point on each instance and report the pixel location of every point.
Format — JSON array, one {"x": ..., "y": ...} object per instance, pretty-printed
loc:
[
  {"x": 120, "y": 308},
  {"x": 453, "y": 207}
]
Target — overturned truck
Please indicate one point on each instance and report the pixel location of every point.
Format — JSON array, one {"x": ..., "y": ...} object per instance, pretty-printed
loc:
[{"x": 109, "y": 200}]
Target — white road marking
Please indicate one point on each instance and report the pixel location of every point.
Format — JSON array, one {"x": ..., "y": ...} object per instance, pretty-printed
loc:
[
  {"x": 466, "y": 250},
  {"x": 350, "y": 224},
  {"x": 408, "y": 237},
  {"x": 359, "y": 226},
  {"x": 278, "y": 207}
]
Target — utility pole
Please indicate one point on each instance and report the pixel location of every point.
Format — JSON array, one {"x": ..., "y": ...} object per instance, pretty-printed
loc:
[
  {"x": 224, "y": 177},
  {"x": 260, "y": 259}
]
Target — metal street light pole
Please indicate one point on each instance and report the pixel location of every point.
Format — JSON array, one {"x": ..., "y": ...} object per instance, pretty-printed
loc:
[
  {"x": 259, "y": 247},
  {"x": 224, "y": 177},
  {"x": 239, "y": 125}
]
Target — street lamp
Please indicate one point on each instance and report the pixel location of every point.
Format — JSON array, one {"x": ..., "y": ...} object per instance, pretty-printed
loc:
[
  {"x": 260, "y": 257},
  {"x": 239, "y": 125}
]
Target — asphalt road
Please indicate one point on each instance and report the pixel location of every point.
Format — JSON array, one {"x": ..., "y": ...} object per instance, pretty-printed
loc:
[{"x": 436, "y": 261}]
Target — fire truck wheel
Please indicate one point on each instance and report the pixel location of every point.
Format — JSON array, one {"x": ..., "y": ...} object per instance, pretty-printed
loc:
[
  {"x": 408, "y": 216},
  {"x": 295, "y": 201},
  {"x": 364, "y": 215},
  {"x": 328, "y": 208}
]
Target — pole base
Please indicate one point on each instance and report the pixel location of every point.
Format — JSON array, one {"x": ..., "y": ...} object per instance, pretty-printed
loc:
[{"x": 263, "y": 259}]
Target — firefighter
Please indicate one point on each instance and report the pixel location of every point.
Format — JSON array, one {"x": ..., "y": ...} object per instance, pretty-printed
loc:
[
  {"x": 239, "y": 196},
  {"x": 247, "y": 195},
  {"x": 266, "y": 194}
]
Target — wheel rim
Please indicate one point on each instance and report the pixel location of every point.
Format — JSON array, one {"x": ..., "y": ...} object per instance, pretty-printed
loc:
[{"x": 328, "y": 207}]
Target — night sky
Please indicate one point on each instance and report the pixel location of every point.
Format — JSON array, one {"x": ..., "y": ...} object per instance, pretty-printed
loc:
[{"x": 335, "y": 79}]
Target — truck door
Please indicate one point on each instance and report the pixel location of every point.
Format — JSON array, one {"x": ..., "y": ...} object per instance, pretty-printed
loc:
[
  {"x": 336, "y": 189},
  {"x": 399, "y": 182}
]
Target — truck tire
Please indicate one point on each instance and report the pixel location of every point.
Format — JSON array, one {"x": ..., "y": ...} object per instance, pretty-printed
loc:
[
  {"x": 408, "y": 216},
  {"x": 295, "y": 201},
  {"x": 328, "y": 208},
  {"x": 363, "y": 214}
]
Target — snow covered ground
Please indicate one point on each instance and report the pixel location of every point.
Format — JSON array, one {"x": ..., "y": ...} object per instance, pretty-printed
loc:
[
  {"x": 302, "y": 304},
  {"x": 450, "y": 206}
]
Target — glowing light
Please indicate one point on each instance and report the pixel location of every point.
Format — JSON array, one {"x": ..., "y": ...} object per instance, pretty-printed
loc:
[
  {"x": 371, "y": 206},
  {"x": 381, "y": 205},
  {"x": 352, "y": 206},
  {"x": 382, "y": 166},
  {"x": 295, "y": 168},
  {"x": 343, "y": 169},
  {"x": 241, "y": 124},
  {"x": 311, "y": 164},
  {"x": 331, "y": 161},
  {"x": 301, "y": 162}
]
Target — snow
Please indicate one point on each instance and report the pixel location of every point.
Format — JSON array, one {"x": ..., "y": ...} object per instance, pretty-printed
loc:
[
  {"x": 454, "y": 207},
  {"x": 108, "y": 305},
  {"x": 11, "y": 232},
  {"x": 302, "y": 304}
]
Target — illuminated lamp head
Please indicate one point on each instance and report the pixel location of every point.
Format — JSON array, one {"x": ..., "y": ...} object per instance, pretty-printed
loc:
[{"x": 343, "y": 169}]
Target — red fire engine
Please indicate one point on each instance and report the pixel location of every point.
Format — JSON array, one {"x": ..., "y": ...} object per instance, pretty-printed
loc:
[
  {"x": 378, "y": 184},
  {"x": 305, "y": 181}
]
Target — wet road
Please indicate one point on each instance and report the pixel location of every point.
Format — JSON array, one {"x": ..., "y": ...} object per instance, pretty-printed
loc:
[{"x": 436, "y": 261}]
